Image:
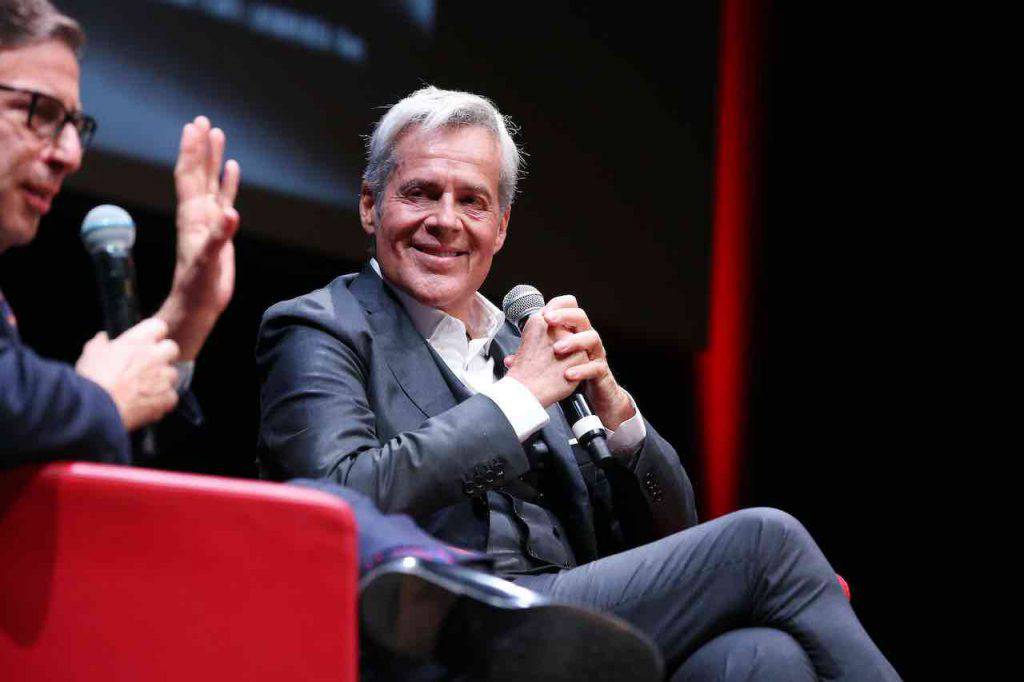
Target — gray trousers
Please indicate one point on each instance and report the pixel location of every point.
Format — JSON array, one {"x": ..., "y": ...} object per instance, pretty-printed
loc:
[{"x": 748, "y": 596}]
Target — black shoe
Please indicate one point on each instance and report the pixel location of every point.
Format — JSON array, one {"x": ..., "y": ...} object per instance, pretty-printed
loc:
[{"x": 490, "y": 629}]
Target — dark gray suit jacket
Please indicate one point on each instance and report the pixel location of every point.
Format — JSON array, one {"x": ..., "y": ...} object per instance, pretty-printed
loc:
[{"x": 351, "y": 392}]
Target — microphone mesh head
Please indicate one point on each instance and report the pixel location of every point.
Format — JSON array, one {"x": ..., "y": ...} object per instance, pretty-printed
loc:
[
  {"x": 521, "y": 301},
  {"x": 107, "y": 226}
]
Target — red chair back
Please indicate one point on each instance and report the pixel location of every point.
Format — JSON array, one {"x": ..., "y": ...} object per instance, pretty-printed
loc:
[{"x": 116, "y": 573}]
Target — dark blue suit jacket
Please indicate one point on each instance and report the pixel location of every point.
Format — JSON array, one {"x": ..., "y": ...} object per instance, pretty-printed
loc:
[
  {"x": 351, "y": 392},
  {"x": 48, "y": 411}
]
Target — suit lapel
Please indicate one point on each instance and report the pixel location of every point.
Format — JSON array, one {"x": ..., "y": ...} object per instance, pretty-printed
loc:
[
  {"x": 406, "y": 352},
  {"x": 421, "y": 374},
  {"x": 506, "y": 342},
  {"x": 411, "y": 358}
]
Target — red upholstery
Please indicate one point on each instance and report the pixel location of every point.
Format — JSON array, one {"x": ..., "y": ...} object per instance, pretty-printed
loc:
[
  {"x": 114, "y": 573},
  {"x": 843, "y": 584}
]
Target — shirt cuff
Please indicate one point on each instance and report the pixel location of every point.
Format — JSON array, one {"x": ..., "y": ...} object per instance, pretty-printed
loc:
[
  {"x": 185, "y": 371},
  {"x": 627, "y": 440},
  {"x": 523, "y": 411}
]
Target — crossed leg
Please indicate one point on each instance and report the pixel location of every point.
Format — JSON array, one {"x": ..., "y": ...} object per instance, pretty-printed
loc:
[{"x": 713, "y": 596}]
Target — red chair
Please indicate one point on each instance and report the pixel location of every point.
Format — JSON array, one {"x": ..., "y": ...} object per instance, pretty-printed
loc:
[
  {"x": 115, "y": 573},
  {"x": 845, "y": 585}
]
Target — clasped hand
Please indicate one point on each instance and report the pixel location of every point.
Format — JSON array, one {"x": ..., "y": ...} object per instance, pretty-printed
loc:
[{"x": 560, "y": 349}]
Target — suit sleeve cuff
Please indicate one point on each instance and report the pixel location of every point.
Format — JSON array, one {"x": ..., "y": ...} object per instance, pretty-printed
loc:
[
  {"x": 627, "y": 440},
  {"x": 523, "y": 411},
  {"x": 185, "y": 371}
]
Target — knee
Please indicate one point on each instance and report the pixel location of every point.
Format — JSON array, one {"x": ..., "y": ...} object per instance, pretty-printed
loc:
[
  {"x": 775, "y": 655},
  {"x": 772, "y": 525},
  {"x": 754, "y": 653},
  {"x": 770, "y": 517},
  {"x": 781, "y": 541},
  {"x": 770, "y": 654},
  {"x": 774, "y": 534}
]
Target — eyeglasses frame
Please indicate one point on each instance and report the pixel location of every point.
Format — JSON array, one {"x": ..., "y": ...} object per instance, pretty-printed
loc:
[{"x": 83, "y": 124}]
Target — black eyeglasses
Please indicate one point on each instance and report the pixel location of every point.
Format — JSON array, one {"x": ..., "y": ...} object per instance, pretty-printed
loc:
[{"x": 47, "y": 117}]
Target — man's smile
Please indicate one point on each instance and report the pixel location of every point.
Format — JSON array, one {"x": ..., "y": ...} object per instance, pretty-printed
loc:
[{"x": 437, "y": 252}]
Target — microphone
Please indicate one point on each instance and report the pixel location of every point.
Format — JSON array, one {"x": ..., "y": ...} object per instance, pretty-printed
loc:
[
  {"x": 519, "y": 304},
  {"x": 108, "y": 233}
]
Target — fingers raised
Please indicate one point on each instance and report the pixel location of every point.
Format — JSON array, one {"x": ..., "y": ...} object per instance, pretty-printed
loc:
[
  {"x": 200, "y": 154},
  {"x": 229, "y": 185},
  {"x": 215, "y": 154},
  {"x": 188, "y": 159}
]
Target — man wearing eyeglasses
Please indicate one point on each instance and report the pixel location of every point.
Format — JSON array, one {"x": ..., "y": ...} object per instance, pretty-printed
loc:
[{"x": 49, "y": 409}]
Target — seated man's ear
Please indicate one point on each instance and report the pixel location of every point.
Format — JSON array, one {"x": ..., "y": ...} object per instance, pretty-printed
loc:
[{"x": 367, "y": 212}]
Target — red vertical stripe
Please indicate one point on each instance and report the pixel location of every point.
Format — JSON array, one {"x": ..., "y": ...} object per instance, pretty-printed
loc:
[{"x": 722, "y": 367}]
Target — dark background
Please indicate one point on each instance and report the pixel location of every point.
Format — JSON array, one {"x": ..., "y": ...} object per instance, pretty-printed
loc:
[{"x": 617, "y": 113}]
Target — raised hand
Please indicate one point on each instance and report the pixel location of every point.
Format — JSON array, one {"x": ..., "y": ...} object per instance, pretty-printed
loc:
[
  {"x": 204, "y": 272},
  {"x": 136, "y": 370}
]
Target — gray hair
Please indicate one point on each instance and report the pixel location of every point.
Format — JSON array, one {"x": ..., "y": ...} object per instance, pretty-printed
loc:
[
  {"x": 25, "y": 22},
  {"x": 431, "y": 108}
]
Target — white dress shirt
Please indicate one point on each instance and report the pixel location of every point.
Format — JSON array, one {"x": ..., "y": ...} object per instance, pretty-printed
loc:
[{"x": 465, "y": 351}]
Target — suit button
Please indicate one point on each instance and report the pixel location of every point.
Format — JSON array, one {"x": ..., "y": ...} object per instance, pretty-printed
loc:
[{"x": 653, "y": 487}]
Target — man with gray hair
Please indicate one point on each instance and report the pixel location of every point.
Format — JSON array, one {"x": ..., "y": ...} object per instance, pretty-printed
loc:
[{"x": 404, "y": 383}]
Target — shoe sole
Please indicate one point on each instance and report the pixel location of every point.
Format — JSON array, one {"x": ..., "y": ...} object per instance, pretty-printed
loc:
[
  {"x": 556, "y": 643},
  {"x": 422, "y": 615}
]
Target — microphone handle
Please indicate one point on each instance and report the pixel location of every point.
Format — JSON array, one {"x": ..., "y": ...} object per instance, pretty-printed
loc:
[
  {"x": 587, "y": 428},
  {"x": 115, "y": 275}
]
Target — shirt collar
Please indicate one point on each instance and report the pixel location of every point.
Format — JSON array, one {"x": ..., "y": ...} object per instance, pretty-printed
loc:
[{"x": 485, "y": 317}]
